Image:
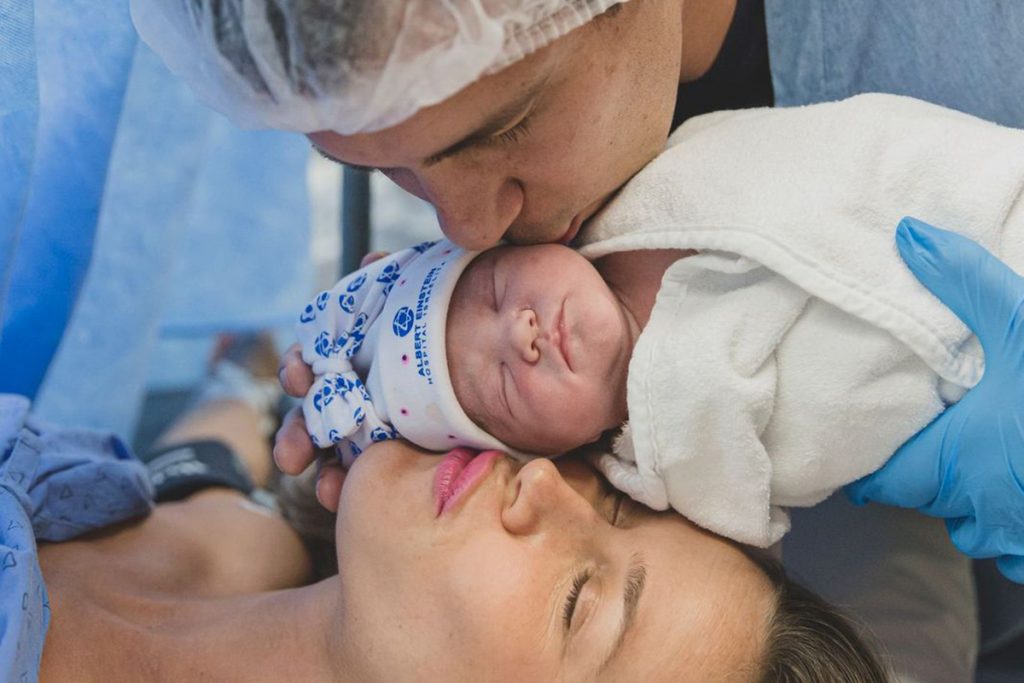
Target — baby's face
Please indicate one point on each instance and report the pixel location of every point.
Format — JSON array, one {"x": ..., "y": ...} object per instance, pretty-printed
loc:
[{"x": 538, "y": 348}]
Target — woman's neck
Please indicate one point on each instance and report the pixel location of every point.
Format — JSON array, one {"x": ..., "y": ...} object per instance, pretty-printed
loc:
[{"x": 278, "y": 636}]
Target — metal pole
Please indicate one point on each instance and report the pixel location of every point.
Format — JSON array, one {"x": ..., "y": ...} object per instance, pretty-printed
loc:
[{"x": 355, "y": 218}]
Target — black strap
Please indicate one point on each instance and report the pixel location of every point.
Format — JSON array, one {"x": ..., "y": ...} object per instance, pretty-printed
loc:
[{"x": 183, "y": 469}]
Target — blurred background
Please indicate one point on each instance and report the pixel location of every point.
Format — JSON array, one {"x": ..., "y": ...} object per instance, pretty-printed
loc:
[{"x": 137, "y": 227}]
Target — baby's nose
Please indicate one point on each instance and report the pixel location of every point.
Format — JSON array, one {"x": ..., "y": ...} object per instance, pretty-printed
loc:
[{"x": 524, "y": 335}]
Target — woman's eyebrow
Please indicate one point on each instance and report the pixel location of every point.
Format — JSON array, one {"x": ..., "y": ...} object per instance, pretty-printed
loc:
[{"x": 632, "y": 589}]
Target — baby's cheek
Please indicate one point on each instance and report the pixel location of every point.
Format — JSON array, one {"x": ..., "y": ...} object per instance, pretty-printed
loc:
[
  {"x": 469, "y": 405},
  {"x": 588, "y": 411}
]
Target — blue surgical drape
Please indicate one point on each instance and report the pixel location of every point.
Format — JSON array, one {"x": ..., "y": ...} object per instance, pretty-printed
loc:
[{"x": 128, "y": 213}]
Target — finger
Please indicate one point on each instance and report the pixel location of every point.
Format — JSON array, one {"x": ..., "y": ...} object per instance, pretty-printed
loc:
[
  {"x": 329, "y": 483},
  {"x": 1012, "y": 567},
  {"x": 973, "y": 539},
  {"x": 293, "y": 449},
  {"x": 371, "y": 257},
  {"x": 916, "y": 474},
  {"x": 295, "y": 376},
  {"x": 982, "y": 290}
]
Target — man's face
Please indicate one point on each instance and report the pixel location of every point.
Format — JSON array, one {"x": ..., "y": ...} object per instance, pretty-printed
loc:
[{"x": 529, "y": 153}]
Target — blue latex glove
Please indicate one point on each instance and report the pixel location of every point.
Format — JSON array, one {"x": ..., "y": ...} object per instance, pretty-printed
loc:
[{"x": 967, "y": 466}]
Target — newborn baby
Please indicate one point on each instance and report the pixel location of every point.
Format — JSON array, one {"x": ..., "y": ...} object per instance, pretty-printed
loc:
[
  {"x": 523, "y": 349},
  {"x": 539, "y": 343}
]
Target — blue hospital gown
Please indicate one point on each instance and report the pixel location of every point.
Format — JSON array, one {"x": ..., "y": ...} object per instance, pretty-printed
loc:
[{"x": 54, "y": 485}]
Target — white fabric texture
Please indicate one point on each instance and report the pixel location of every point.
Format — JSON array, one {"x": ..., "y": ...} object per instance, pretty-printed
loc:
[
  {"x": 351, "y": 66},
  {"x": 797, "y": 352},
  {"x": 376, "y": 345}
]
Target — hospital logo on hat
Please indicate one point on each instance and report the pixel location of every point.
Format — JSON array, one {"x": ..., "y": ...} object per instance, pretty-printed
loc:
[{"x": 403, "y": 321}]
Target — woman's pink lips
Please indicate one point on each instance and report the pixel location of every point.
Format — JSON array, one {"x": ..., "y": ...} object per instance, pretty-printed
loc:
[{"x": 457, "y": 474}]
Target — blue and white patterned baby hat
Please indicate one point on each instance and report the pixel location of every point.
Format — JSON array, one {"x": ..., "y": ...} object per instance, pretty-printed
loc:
[{"x": 376, "y": 344}]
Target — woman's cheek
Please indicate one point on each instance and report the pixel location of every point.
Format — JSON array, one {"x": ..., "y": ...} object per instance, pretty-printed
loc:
[{"x": 509, "y": 630}]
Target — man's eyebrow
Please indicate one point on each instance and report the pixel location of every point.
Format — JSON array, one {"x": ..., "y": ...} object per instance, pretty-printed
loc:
[
  {"x": 494, "y": 123},
  {"x": 633, "y": 588}
]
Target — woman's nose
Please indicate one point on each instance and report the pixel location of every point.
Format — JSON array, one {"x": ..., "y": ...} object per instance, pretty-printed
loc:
[
  {"x": 524, "y": 333},
  {"x": 475, "y": 209},
  {"x": 540, "y": 498}
]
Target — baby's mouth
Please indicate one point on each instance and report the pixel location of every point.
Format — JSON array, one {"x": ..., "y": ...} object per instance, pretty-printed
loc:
[{"x": 563, "y": 336}]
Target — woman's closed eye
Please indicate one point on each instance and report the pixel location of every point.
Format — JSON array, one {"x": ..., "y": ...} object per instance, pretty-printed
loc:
[
  {"x": 582, "y": 600},
  {"x": 572, "y": 600},
  {"x": 614, "y": 505},
  {"x": 620, "y": 498}
]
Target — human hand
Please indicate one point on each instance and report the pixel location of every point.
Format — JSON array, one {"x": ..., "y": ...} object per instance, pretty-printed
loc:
[
  {"x": 967, "y": 466},
  {"x": 294, "y": 451},
  {"x": 293, "y": 448}
]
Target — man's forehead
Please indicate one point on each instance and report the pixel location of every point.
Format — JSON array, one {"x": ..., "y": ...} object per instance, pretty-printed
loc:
[{"x": 478, "y": 110}]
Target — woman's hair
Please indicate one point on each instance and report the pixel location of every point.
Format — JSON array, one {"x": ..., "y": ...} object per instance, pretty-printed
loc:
[{"x": 810, "y": 641}]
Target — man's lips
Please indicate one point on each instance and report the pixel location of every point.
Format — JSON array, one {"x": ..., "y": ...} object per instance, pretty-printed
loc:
[
  {"x": 460, "y": 470},
  {"x": 570, "y": 233}
]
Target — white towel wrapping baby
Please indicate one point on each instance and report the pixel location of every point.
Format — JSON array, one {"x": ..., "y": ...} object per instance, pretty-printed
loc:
[{"x": 796, "y": 352}]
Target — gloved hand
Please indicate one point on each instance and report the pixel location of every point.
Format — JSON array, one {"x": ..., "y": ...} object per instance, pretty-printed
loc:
[{"x": 967, "y": 466}]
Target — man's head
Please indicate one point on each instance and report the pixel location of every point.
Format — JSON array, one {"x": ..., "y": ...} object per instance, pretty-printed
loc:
[
  {"x": 514, "y": 118},
  {"x": 529, "y": 153},
  {"x": 538, "y": 348}
]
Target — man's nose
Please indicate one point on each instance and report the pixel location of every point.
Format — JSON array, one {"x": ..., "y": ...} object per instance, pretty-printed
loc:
[
  {"x": 523, "y": 335},
  {"x": 541, "y": 498},
  {"x": 475, "y": 208}
]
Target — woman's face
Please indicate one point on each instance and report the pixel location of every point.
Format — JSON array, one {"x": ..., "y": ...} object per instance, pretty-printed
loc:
[{"x": 537, "y": 572}]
